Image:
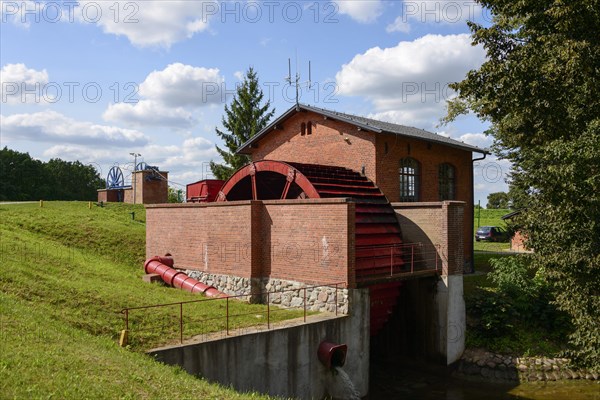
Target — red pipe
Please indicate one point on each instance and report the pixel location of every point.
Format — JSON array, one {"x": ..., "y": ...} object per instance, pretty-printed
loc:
[{"x": 163, "y": 266}]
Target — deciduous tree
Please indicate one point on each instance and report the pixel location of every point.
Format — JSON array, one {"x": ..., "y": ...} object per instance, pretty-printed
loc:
[
  {"x": 540, "y": 89},
  {"x": 24, "y": 178},
  {"x": 497, "y": 200}
]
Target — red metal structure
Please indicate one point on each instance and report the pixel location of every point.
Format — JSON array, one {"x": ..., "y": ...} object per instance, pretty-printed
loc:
[
  {"x": 163, "y": 266},
  {"x": 378, "y": 245},
  {"x": 204, "y": 191}
]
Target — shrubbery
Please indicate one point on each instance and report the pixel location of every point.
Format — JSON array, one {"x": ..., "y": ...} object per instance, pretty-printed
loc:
[{"x": 519, "y": 304}]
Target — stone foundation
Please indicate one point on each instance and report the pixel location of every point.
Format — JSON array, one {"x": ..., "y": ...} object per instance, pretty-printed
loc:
[
  {"x": 486, "y": 366},
  {"x": 231, "y": 285},
  {"x": 282, "y": 293}
]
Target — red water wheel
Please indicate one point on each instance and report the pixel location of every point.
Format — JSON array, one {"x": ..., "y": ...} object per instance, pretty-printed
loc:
[
  {"x": 267, "y": 180},
  {"x": 378, "y": 238}
]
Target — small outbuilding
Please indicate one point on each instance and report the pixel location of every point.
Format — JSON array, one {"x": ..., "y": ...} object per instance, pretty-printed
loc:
[{"x": 518, "y": 239}]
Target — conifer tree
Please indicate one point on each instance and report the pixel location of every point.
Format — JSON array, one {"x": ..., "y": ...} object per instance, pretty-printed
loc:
[{"x": 244, "y": 118}]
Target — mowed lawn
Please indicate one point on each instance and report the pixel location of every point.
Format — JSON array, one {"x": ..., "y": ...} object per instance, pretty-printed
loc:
[
  {"x": 67, "y": 271},
  {"x": 490, "y": 218}
]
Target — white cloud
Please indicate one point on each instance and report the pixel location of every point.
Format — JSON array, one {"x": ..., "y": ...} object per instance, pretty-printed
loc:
[
  {"x": 480, "y": 140},
  {"x": 186, "y": 162},
  {"x": 239, "y": 75},
  {"x": 19, "y": 84},
  {"x": 192, "y": 162},
  {"x": 149, "y": 22},
  {"x": 193, "y": 153},
  {"x": 183, "y": 85},
  {"x": 53, "y": 127},
  {"x": 170, "y": 97},
  {"x": 399, "y": 25},
  {"x": 149, "y": 113},
  {"x": 408, "y": 83},
  {"x": 82, "y": 153},
  {"x": 363, "y": 11},
  {"x": 490, "y": 176},
  {"x": 436, "y": 12}
]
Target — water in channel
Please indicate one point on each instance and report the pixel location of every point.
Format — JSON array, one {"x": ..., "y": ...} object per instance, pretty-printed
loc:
[{"x": 389, "y": 381}]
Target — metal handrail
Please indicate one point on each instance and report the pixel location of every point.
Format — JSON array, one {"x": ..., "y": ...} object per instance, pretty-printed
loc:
[
  {"x": 227, "y": 316},
  {"x": 435, "y": 251}
]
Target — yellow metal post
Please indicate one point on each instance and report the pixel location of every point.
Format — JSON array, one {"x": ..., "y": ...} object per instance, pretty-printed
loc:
[
  {"x": 123, "y": 341},
  {"x": 41, "y": 203}
]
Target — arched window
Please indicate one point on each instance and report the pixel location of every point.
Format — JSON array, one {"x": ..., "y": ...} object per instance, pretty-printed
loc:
[
  {"x": 447, "y": 182},
  {"x": 303, "y": 129},
  {"x": 409, "y": 179}
]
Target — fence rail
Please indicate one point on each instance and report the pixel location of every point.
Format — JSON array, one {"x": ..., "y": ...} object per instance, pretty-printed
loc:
[
  {"x": 227, "y": 319},
  {"x": 404, "y": 259}
]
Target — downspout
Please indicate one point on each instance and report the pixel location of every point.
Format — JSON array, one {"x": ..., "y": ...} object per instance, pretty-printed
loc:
[{"x": 473, "y": 208}]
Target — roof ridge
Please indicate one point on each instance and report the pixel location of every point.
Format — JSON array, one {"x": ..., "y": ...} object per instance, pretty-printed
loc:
[
  {"x": 371, "y": 124},
  {"x": 352, "y": 116}
]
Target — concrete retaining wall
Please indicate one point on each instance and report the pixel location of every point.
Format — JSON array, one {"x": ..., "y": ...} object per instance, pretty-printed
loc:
[{"x": 284, "y": 361}]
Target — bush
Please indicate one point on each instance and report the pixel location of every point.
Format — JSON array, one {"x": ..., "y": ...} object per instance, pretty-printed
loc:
[
  {"x": 490, "y": 313},
  {"x": 517, "y": 311},
  {"x": 528, "y": 291}
]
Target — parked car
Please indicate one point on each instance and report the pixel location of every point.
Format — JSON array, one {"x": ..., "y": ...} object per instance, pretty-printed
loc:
[{"x": 491, "y": 233}]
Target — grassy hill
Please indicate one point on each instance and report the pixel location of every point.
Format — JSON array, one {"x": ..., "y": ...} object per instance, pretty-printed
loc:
[
  {"x": 489, "y": 218},
  {"x": 67, "y": 271}
]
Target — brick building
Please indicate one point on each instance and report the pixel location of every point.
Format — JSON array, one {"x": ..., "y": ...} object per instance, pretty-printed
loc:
[
  {"x": 407, "y": 164},
  {"x": 151, "y": 187},
  {"x": 332, "y": 198}
]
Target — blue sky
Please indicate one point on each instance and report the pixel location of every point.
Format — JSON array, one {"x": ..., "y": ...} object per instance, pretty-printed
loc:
[{"x": 96, "y": 80}]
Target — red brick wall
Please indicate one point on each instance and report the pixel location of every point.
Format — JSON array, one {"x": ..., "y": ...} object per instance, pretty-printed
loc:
[
  {"x": 326, "y": 145},
  {"x": 151, "y": 191},
  {"x": 105, "y": 195},
  {"x": 435, "y": 224},
  {"x": 430, "y": 156},
  {"x": 517, "y": 242},
  {"x": 128, "y": 196},
  {"x": 257, "y": 239},
  {"x": 307, "y": 241},
  {"x": 214, "y": 238},
  {"x": 147, "y": 191},
  {"x": 454, "y": 239}
]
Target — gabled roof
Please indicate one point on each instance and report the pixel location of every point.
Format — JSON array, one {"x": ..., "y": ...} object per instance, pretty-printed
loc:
[{"x": 368, "y": 124}]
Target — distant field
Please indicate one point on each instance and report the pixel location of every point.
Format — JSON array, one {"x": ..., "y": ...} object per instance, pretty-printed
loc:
[
  {"x": 67, "y": 271},
  {"x": 489, "y": 218}
]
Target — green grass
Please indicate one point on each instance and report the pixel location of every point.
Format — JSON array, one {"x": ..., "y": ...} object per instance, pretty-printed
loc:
[
  {"x": 489, "y": 218},
  {"x": 67, "y": 271},
  {"x": 523, "y": 338},
  {"x": 44, "y": 358}
]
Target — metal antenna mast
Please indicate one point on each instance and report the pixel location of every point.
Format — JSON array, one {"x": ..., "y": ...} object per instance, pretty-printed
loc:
[{"x": 296, "y": 81}]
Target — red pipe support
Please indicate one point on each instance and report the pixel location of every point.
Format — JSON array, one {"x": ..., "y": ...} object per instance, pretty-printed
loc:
[{"x": 163, "y": 266}]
